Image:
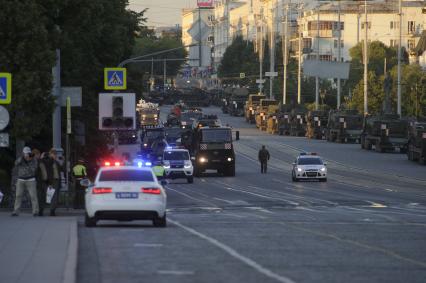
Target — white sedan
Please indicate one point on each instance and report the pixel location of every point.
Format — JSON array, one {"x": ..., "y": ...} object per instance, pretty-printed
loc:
[
  {"x": 309, "y": 166},
  {"x": 125, "y": 193}
]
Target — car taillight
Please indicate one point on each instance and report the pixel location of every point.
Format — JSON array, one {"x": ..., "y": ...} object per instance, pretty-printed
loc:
[
  {"x": 101, "y": 190},
  {"x": 152, "y": 191}
]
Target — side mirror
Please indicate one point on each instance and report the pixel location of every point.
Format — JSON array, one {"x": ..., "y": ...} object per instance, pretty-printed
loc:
[{"x": 85, "y": 183}]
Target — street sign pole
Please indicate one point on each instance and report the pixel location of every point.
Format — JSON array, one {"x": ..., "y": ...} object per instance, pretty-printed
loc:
[
  {"x": 68, "y": 148},
  {"x": 56, "y": 92}
]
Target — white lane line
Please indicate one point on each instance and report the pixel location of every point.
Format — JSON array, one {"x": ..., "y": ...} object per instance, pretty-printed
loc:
[
  {"x": 235, "y": 254},
  {"x": 263, "y": 196},
  {"x": 143, "y": 245},
  {"x": 190, "y": 197},
  {"x": 175, "y": 272}
]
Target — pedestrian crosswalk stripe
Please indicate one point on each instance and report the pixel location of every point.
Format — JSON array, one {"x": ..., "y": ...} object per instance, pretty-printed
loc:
[{"x": 115, "y": 79}]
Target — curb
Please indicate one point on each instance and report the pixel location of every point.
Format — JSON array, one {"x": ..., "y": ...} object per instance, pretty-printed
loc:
[{"x": 70, "y": 266}]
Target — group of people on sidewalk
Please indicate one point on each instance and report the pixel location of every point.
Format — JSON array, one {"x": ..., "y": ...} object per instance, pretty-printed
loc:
[{"x": 40, "y": 175}]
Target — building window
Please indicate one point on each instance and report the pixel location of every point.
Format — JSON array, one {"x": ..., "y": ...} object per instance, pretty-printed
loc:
[
  {"x": 393, "y": 43},
  {"x": 411, "y": 44},
  {"x": 363, "y": 24},
  {"x": 411, "y": 26},
  {"x": 341, "y": 43},
  {"x": 336, "y": 26},
  {"x": 394, "y": 25},
  {"x": 326, "y": 57}
]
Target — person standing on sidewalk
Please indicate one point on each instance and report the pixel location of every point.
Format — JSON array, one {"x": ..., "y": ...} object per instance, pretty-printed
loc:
[
  {"x": 53, "y": 168},
  {"x": 41, "y": 177},
  {"x": 263, "y": 159},
  {"x": 79, "y": 172},
  {"x": 26, "y": 167}
]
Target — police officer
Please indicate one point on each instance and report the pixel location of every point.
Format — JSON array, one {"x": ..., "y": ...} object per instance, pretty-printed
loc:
[
  {"x": 263, "y": 159},
  {"x": 158, "y": 170},
  {"x": 79, "y": 173}
]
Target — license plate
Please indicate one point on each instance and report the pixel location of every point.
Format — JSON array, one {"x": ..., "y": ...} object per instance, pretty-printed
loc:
[{"x": 126, "y": 195}]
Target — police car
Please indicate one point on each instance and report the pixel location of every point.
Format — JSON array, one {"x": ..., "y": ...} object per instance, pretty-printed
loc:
[
  {"x": 177, "y": 164},
  {"x": 125, "y": 193},
  {"x": 309, "y": 166}
]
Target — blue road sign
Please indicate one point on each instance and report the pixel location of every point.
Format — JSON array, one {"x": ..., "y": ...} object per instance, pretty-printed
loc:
[
  {"x": 115, "y": 78},
  {"x": 5, "y": 88}
]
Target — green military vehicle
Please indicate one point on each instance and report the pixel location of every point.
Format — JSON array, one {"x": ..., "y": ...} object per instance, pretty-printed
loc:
[
  {"x": 298, "y": 121},
  {"x": 344, "y": 126},
  {"x": 316, "y": 124},
  {"x": 251, "y": 105},
  {"x": 386, "y": 132},
  {"x": 416, "y": 149},
  {"x": 237, "y": 102},
  {"x": 283, "y": 117}
]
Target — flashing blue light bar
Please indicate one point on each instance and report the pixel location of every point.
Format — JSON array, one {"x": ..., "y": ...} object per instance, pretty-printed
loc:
[{"x": 148, "y": 163}]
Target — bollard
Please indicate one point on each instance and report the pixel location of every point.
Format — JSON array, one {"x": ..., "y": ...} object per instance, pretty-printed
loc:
[{"x": 237, "y": 135}]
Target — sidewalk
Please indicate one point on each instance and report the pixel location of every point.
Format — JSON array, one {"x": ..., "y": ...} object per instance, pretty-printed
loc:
[{"x": 38, "y": 249}]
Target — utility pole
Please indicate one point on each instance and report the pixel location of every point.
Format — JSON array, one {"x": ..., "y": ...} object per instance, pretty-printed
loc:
[
  {"x": 261, "y": 56},
  {"x": 56, "y": 116},
  {"x": 151, "y": 85},
  {"x": 272, "y": 49},
  {"x": 299, "y": 70},
  {"x": 164, "y": 76},
  {"x": 365, "y": 60},
  {"x": 399, "y": 60},
  {"x": 200, "y": 56},
  {"x": 318, "y": 57},
  {"x": 339, "y": 30},
  {"x": 285, "y": 54}
]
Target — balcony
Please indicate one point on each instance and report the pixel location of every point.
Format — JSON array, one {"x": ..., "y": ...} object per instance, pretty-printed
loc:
[{"x": 322, "y": 33}]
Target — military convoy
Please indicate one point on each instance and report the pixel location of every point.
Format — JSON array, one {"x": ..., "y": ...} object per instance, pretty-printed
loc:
[
  {"x": 385, "y": 132},
  {"x": 263, "y": 110},
  {"x": 416, "y": 148},
  {"x": 148, "y": 113},
  {"x": 298, "y": 121},
  {"x": 344, "y": 126},
  {"x": 237, "y": 101}
]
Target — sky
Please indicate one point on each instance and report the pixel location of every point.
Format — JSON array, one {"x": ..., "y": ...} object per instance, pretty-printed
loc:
[{"x": 162, "y": 12}]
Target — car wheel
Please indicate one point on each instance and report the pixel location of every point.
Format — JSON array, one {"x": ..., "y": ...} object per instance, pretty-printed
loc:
[
  {"x": 89, "y": 221},
  {"x": 190, "y": 179},
  {"x": 160, "y": 221}
]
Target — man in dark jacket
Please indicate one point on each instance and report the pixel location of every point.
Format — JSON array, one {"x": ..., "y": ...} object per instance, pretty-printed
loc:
[
  {"x": 53, "y": 168},
  {"x": 263, "y": 159}
]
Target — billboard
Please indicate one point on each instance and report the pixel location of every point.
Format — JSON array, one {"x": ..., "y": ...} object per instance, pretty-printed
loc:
[{"x": 204, "y": 3}]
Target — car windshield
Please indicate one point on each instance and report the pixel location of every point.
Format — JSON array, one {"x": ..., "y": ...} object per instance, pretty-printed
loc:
[
  {"x": 188, "y": 115},
  {"x": 220, "y": 135},
  {"x": 154, "y": 134},
  {"x": 310, "y": 161},
  {"x": 126, "y": 175},
  {"x": 176, "y": 155}
]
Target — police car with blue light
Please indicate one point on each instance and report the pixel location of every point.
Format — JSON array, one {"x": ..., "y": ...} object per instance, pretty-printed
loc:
[
  {"x": 309, "y": 166},
  {"x": 125, "y": 193},
  {"x": 177, "y": 164}
]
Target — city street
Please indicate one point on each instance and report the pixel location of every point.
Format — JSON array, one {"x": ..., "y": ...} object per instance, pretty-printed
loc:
[{"x": 366, "y": 224}]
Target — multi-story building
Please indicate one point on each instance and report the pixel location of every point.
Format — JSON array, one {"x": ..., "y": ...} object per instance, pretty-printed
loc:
[{"x": 320, "y": 26}]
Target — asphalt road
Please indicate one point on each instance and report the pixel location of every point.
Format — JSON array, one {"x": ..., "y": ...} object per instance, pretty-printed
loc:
[{"x": 366, "y": 224}]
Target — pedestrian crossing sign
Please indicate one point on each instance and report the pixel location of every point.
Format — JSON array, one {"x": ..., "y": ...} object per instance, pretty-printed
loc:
[
  {"x": 115, "y": 78},
  {"x": 5, "y": 88}
]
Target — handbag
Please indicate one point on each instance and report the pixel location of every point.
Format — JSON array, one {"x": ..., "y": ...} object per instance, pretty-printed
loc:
[{"x": 49, "y": 194}]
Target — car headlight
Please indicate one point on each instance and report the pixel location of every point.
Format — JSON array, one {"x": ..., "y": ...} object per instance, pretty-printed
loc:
[
  {"x": 323, "y": 169},
  {"x": 145, "y": 144},
  {"x": 299, "y": 169},
  {"x": 202, "y": 159},
  {"x": 187, "y": 164},
  {"x": 229, "y": 159}
]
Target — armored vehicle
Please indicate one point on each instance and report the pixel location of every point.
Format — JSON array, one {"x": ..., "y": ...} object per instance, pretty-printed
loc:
[
  {"x": 316, "y": 124},
  {"x": 195, "y": 97},
  {"x": 206, "y": 121},
  {"x": 385, "y": 132},
  {"x": 298, "y": 121},
  {"x": 266, "y": 107},
  {"x": 212, "y": 148},
  {"x": 188, "y": 117},
  {"x": 416, "y": 150},
  {"x": 148, "y": 113},
  {"x": 250, "y": 107},
  {"x": 237, "y": 102},
  {"x": 272, "y": 124},
  {"x": 149, "y": 135},
  {"x": 344, "y": 126}
]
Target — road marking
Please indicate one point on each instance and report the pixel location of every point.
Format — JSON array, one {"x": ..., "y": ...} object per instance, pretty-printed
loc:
[
  {"x": 142, "y": 245},
  {"x": 235, "y": 254},
  {"x": 190, "y": 197},
  {"x": 358, "y": 244},
  {"x": 233, "y": 202},
  {"x": 375, "y": 204},
  {"x": 263, "y": 196},
  {"x": 175, "y": 272}
]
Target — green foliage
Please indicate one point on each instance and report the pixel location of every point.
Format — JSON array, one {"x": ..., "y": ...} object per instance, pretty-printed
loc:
[{"x": 375, "y": 94}]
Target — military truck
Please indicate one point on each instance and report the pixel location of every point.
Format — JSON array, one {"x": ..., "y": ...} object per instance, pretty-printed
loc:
[
  {"x": 272, "y": 124},
  {"x": 148, "y": 113},
  {"x": 298, "y": 121},
  {"x": 385, "y": 132},
  {"x": 416, "y": 149},
  {"x": 344, "y": 126},
  {"x": 237, "y": 102},
  {"x": 316, "y": 124},
  {"x": 265, "y": 107},
  {"x": 250, "y": 107},
  {"x": 212, "y": 148},
  {"x": 224, "y": 104}
]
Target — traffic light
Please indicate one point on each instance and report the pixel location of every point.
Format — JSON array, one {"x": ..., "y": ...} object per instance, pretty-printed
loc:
[{"x": 117, "y": 111}]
